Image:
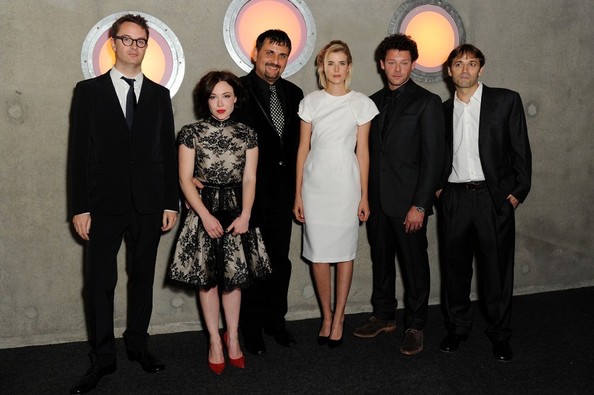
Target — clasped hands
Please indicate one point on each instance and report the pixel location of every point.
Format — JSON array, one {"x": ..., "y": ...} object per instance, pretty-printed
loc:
[{"x": 213, "y": 227}]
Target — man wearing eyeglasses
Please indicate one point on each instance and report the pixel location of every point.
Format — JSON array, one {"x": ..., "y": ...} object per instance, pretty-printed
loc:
[{"x": 123, "y": 184}]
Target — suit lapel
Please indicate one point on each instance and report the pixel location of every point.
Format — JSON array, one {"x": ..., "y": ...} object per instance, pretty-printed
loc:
[
  {"x": 488, "y": 108},
  {"x": 146, "y": 92},
  {"x": 144, "y": 99},
  {"x": 111, "y": 97},
  {"x": 448, "y": 109}
]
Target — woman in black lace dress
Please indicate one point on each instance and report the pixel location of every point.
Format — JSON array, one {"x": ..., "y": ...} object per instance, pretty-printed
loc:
[{"x": 216, "y": 248}]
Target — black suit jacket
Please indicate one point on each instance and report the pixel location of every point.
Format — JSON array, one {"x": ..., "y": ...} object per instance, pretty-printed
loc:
[
  {"x": 275, "y": 179},
  {"x": 504, "y": 148},
  {"x": 113, "y": 169},
  {"x": 406, "y": 165}
]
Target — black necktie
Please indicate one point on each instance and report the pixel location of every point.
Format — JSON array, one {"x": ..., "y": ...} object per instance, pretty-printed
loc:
[
  {"x": 388, "y": 108},
  {"x": 276, "y": 111},
  {"x": 130, "y": 101}
]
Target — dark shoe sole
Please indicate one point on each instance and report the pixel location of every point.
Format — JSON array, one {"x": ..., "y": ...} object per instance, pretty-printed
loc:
[
  {"x": 411, "y": 352},
  {"x": 334, "y": 343},
  {"x": 388, "y": 329}
]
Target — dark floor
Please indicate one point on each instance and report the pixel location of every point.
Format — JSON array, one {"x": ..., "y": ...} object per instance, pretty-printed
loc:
[{"x": 553, "y": 346}]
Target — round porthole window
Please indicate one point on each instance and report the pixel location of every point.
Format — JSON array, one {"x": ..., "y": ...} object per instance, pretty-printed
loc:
[
  {"x": 246, "y": 19},
  {"x": 436, "y": 27},
  {"x": 163, "y": 62}
]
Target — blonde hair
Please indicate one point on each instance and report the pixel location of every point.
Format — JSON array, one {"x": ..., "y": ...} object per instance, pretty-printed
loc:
[{"x": 333, "y": 46}]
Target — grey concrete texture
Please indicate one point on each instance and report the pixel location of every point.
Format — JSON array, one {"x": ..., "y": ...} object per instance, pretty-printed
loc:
[{"x": 542, "y": 49}]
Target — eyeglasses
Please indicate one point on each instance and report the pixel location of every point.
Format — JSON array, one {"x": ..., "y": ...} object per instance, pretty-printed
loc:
[{"x": 127, "y": 41}]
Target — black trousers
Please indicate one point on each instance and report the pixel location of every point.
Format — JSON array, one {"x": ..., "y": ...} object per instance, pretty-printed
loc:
[
  {"x": 388, "y": 240},
  {"x": 142, "y": 234},
  {"x": 471, "y": 226},
  {"x": 264, "y": 303}
]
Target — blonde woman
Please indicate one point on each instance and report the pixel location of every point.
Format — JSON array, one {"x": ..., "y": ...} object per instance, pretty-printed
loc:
[{"x": 331, "y": 188}]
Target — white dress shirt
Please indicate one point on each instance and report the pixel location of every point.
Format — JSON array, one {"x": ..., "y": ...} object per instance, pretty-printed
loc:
[
  {"x": 466, "y": 164},
  {"x": 121, "y": 86}
]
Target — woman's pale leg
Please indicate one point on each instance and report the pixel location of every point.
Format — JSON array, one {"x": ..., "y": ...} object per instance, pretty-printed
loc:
[
  {"x": 344, "y": 277},
  {"x": 209, "y": 302},
  {"x": 231, "y": 306},
  {"x": 321, "y": 274}
]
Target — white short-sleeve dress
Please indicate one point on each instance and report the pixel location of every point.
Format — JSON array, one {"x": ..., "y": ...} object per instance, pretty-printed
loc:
[{"x": 331, "y": 188}]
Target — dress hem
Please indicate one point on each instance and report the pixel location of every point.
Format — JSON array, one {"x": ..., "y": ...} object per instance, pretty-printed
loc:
[{"x": 330, "y": 260}]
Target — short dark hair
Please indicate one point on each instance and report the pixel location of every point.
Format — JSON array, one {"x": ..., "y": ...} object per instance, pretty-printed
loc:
[
  {"x": 465, "y": 49},
  {"x": 137, "y": 19},
  {"x": 205, "y": 87},
  {"x": 275, "y": 36},
  {"x": 398, "y": 41}
]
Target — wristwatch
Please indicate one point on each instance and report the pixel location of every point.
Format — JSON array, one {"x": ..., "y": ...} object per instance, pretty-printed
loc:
[{"x": 420, "y": 209}]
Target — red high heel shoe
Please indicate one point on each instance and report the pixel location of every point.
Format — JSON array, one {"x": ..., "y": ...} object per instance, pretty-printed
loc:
[
  {"x": 217, "y": 368},
  {"x": 239, "y": 363}
]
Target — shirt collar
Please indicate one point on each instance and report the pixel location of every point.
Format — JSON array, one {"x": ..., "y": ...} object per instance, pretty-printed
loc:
[
  {"x": 477, "y": 95},
  {"x": 116, "y": 77},
  {"x": 398, "y": 91},
  {"x": 263, "y": 85}
]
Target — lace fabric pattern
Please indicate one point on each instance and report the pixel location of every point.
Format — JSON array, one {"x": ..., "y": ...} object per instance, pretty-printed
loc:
[{"x": 230, "y": 261}]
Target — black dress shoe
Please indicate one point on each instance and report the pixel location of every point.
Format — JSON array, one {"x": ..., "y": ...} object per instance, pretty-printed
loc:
[
  {"x": 89, "y": 381},
  {"x": 451, "y": 342},
  {"x": 148, "y": 361},
  {"x": 284, "y": 338},
  {"x": 502, "y": 351},
  {"x": 254, "y": 344},
  {"x": 323, "y": 340}
]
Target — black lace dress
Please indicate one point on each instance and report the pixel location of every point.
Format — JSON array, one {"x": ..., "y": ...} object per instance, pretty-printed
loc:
[{"x": 230, "y": 261}]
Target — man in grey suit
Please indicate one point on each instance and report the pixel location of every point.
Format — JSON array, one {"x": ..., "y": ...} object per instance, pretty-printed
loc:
[
  {"x": 406, "y": 159},
  {"x": 487, "y": 175},
  {"x": 123, "y": 184}
]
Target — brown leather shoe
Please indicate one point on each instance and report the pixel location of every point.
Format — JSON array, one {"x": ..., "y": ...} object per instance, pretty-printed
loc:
[
  {"x": 413, "y": 342},
  {"x": 374, "y": 327}
]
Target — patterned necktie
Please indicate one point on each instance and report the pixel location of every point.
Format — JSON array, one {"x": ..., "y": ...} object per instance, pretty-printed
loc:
[
  {"x": 276, "y": 111},
  {"x": 130, "y": 101}
]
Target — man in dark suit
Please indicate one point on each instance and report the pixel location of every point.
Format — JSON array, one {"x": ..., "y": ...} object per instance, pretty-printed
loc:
[
  {"x": 271, "y": 110},
  {"x": 406, "y": 158},
  {"x": 123, "y": 184},
  {"x": 487, "y": 174}
]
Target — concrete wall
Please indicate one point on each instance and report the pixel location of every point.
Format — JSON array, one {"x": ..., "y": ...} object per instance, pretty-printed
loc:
[{"x": 542, "y": 49}]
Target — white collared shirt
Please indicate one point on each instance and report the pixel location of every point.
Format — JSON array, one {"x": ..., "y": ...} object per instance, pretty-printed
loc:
[
  {"x": 466, "y": 164},
  {"x": 121, "y": 86}
]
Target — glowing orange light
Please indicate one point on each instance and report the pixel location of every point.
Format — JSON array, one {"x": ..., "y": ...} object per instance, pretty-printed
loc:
[
  {"x": 258, "y": 16},
  {"x": 435, "y": 38},
  {"x": 153, "y": 65}
]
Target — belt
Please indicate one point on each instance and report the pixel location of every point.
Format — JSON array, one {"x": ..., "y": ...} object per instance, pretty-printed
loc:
[{"x": 472, "y": 186}]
